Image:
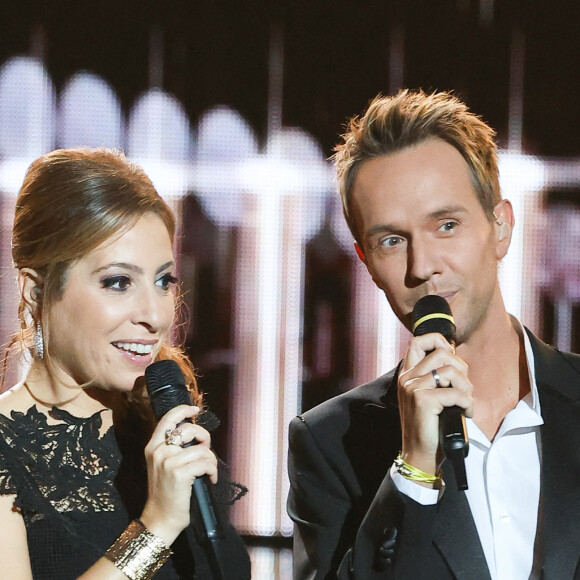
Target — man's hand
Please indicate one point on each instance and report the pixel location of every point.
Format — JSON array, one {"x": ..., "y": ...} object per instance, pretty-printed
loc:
[{"x": 421, "y": 401}]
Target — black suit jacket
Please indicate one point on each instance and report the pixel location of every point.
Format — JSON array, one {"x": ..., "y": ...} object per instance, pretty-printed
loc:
[{"x": 351, "y": 521}]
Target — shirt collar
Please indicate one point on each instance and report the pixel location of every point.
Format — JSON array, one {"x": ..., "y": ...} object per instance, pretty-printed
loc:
[
  {"x": 527, "y": 413},
  {"x": 532, "y": 399}
]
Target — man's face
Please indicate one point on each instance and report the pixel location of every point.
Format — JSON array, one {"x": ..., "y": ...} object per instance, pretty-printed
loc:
[{"x": 423, "y": 231}]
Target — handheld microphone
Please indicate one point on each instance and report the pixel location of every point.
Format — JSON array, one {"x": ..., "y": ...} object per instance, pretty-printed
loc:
[
  {"x": 167, "y": 389},
  {"x": 433, "y": 314}
]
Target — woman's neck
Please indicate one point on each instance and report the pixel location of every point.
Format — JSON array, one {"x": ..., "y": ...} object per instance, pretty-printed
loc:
[{"x": 48, "y": 391}]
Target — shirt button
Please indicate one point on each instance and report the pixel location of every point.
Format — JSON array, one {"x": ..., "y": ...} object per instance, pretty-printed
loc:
[{"x": 504, "y": 518}]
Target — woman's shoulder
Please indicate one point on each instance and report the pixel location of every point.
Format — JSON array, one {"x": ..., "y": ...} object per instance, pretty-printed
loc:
[
  {"x": 16, "y": 398},
  {"x": 12, "y": 401},
  {"x": 19, "y": 418}
]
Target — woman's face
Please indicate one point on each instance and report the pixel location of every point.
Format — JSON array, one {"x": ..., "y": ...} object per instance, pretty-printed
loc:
[{"x": 116, "y": 310}]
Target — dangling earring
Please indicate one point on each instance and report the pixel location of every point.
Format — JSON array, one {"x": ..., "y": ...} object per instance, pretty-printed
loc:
[{"x": 39, "y": 341}]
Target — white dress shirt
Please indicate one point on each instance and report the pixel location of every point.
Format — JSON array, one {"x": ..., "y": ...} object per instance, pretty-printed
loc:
[{"x": 504, "y": 486}]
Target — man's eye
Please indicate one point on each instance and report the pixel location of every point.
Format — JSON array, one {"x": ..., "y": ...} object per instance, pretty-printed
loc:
[
  {"x": 167, "y": 281},
  {"x": 448, "y": 226},
  {"x": 116, "y": 282},
  {"x": 390, "y": 241}
]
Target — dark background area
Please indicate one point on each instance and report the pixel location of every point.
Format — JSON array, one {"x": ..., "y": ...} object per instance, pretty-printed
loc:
[{"x": 336, "y": 55}]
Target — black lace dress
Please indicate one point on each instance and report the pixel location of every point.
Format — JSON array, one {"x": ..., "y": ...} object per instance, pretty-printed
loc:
[{"x": 77, "y": 491}]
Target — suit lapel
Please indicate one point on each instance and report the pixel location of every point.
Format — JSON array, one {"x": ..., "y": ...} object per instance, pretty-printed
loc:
[
  {"x": 558, "y": 387},
  {"x": 455, "y": 534}
]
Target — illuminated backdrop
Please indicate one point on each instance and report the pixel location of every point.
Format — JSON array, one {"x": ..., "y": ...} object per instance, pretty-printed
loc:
[{"x": 282, "y": 313}]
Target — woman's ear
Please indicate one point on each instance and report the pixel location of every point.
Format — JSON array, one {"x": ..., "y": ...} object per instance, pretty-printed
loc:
[{"x": 30, "y": 284}]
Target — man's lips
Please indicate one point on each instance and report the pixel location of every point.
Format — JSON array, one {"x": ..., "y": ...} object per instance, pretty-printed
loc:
[{"x": 447, "y": 295}]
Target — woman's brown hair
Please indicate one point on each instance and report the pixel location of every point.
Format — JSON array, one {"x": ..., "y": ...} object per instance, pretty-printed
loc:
[{"x": 71, "y": 201}]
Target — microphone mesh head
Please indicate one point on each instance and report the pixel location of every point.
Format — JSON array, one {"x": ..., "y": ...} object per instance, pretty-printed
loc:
[
  {"x": 433, "y": 314},
  {"x": 166, "y": 386}
]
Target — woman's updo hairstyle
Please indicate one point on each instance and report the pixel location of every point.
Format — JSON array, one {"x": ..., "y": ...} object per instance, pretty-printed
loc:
[{"x": 71, "y": 201}]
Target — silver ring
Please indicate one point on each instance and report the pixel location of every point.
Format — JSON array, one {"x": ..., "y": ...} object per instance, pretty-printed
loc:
[
  {"x": 173, "y": 437},
  {"x": 436, "y": 377}
]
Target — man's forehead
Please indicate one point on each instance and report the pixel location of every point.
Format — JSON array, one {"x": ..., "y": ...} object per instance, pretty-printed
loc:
[{"x": 421, "y": 182}]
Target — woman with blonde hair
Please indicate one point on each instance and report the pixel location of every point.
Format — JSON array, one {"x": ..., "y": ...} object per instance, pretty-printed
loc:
[{"x": 90, "y": 486}]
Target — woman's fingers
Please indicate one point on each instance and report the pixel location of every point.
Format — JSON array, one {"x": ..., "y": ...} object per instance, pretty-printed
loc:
[
  {"x": 179, "y": 421},
  {"x": 177, "y": 443},
  {"x": 186, "y": 434},
  {"x": 190, "y": 462},
  {"x": 173, "y": 464}
]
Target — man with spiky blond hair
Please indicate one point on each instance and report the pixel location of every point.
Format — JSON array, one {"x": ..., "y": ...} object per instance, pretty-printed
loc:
[{"x": 371, "y": 494}]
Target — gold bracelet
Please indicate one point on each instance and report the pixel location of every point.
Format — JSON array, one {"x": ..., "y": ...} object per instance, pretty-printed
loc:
[
  {"x": 137, "y": 552},
  {"x": 414, "y": 473}
]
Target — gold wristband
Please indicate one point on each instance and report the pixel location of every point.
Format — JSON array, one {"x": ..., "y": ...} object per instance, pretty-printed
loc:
[
  {"x": 137, "y": 552},
  {"x": 414, "y": 473}
]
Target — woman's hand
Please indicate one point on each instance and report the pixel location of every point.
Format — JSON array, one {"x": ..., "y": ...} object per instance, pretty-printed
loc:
[{"x": 171, "y": 471}]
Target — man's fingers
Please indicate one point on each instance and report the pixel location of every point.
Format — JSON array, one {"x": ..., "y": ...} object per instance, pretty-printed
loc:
[
  {"x": 421, "y": 345},
  {"x": 438, "y": 377},
  {"x": 435, "y": 400}
]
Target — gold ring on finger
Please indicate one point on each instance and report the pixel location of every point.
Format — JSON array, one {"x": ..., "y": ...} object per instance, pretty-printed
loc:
[{"x": 173, "y": 437}]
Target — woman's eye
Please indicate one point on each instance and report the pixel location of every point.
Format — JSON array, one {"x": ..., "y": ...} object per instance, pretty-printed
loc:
[
  {"x": 166, "y": 281},
  {"x": 116, "y": 282}
]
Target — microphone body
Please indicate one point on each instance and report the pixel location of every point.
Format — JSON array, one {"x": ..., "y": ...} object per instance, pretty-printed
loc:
[
  {"x": 433, "y": 314},
  {"x": 167, "y": 389}
]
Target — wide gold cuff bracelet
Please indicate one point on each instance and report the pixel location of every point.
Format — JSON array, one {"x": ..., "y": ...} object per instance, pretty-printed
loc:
[{"x": 137, "y": 552}]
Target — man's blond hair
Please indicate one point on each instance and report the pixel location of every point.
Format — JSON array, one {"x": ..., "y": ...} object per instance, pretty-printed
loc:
[{"x": 391, "y": 124}]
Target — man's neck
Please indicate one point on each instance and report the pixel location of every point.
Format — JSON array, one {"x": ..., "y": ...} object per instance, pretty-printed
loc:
[{"x": 497, "y": 369}]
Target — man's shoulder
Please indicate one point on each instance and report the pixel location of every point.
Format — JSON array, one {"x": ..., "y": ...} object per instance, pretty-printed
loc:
[
  {"x": 336, "y": 412},
  {"x": 556, "y": 369},
  {"x": 550, "y": 354},
  {"x": 357, "y": 432}
]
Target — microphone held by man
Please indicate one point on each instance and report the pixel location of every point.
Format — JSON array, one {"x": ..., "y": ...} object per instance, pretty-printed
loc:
[{"x": 433, "y": 314}]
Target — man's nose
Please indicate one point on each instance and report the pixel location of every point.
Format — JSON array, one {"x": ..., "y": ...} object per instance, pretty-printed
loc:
[{"x": 423, "y": 260}]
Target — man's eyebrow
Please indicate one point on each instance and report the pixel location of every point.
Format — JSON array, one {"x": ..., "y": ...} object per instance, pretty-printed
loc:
[
  {"x": 383, "y": 228},
  {"x": 452, "y": 209},
  {"x": 448, "y": 209}
]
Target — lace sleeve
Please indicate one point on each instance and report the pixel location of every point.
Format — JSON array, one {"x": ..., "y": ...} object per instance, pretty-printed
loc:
[{"x": 7, "y": 482}]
